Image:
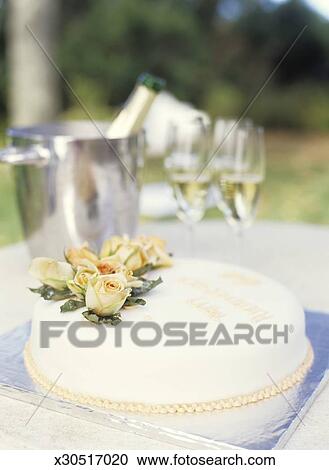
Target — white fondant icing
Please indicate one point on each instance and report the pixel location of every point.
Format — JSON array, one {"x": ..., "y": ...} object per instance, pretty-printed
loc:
[{"x": 192, "y": 291}]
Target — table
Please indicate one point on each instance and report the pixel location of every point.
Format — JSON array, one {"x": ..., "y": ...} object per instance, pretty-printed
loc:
[{"x": 295, "y": 254}]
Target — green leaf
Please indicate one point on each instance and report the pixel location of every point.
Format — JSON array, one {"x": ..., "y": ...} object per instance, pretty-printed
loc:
[
  {"x": 145, "y": 287},
  {"x": 91, "y": 316},
  {"x": 144, "y": 269},
  {"x": 50, "y": 293},
  {"x": 134, "y": 301},
  {"x": 71, "y": 305},
  {"x": 37, "y": 290}
]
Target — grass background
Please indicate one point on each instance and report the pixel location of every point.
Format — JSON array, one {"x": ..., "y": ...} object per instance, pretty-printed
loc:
[{"x": 296, "y": 188}]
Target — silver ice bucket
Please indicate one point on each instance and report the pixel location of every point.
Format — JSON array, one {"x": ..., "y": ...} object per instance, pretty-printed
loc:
[{"x": 73, "y": 185}]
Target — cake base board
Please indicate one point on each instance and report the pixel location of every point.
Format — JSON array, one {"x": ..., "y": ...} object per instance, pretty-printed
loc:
[{"x": 265, "y": 425}]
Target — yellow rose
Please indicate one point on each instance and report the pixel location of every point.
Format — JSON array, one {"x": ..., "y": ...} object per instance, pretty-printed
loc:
[
  {"x": 114, "y": 265},
  {"x": 155, "y": 250},
  {"x": 79, "y": 284},
  {"x": 106, "y": 294},
  {"x": 111, "y": 265},
  {"x": 111, "y": 245},
  {"x": 151, "y": 239},
  {"x": 129, "y": 253},
  {"x": 82, "y": 256},
  {"x": 51, "y": 272},
  {"x": 132, "y": 255}
]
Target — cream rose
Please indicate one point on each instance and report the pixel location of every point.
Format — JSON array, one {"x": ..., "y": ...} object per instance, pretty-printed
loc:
[
  {"x": 114, "y": 265},
  {"x": 82, "y": 256},
  {"x": 111, "y": 245},
  {"x": 106, "y": 294},
  {"x": 51, "y": 272},
  {"x": 132, "y": 255},
  {"x": 111, "y": 265},
  {"x": 78, "y": 285},
  {"x": 127, "y": 251},
  {"x": 154, "y": 250}
]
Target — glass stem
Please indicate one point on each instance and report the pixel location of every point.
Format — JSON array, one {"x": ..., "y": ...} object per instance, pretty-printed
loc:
[
  {"x": 239, "y": 238},
  {"x": 190, "y": 239}
]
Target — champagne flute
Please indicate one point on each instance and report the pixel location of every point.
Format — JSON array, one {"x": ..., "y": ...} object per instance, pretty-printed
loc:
[
  {"x": 186, "y": 158},
  {"x": 223, "y": 146},
  {"x": 239, "y": 172}
]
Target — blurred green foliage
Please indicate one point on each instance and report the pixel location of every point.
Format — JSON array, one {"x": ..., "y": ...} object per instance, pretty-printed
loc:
[
  {"x": 214, "y": 53},
  {"x": 2, "y": 62},
  {"x": 11, "y": 230}
]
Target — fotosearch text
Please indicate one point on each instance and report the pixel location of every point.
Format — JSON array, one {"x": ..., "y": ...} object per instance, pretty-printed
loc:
[{"x": 83, "y": 334}]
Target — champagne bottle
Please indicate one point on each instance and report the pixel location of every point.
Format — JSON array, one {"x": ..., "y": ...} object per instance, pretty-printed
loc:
[{"x": 130, "y": 119}]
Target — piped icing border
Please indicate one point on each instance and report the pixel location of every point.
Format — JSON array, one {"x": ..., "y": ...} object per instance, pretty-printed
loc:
[{"x": 178, "y": 408}]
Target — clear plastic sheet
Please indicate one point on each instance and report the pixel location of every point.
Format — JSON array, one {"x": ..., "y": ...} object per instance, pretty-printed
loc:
[{"x": 264, "y": 425}]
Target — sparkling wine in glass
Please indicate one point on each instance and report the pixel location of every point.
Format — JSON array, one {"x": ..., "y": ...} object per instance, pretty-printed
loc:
[
  {"x": 187, "y": 153},
  {"x": 239, "y": 175}
]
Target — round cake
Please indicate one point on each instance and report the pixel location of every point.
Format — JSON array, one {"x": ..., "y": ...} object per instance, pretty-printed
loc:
[{"x": 210, "y": 337}]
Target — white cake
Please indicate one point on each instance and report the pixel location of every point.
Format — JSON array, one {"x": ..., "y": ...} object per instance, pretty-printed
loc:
[{"x": 181, "y": 378}]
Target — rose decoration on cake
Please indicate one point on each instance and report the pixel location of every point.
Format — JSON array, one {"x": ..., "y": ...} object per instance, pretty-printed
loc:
[
  {"x": 51, "y": 273},
  {"x": 104, "y": 282}
]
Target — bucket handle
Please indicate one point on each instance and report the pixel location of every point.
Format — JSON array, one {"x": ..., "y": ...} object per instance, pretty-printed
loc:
[{"x": 32, "y": 155}]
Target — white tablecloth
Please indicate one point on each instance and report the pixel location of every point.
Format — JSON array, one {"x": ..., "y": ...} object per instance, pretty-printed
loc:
[{"x": 296, "y": 255}]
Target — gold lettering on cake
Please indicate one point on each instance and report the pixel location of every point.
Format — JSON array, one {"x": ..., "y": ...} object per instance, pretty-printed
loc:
[
  {"x": 255, "y": 313},
  {"x": 241, "y": 279},
  {"x": 205, "y": 307}
]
